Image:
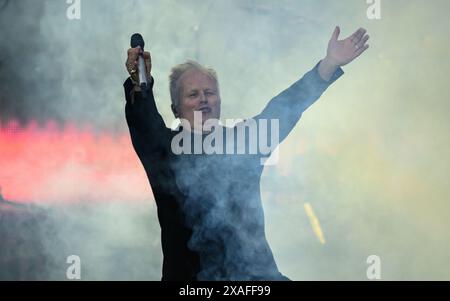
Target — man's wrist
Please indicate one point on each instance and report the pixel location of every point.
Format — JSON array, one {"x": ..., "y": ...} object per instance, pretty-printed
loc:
[
  {"x": 137, "y": 87},
  {"x": 135, "y": 84},
  {"x": 327, "y": 68}
]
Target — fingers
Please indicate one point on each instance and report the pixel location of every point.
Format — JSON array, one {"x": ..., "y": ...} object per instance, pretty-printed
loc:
[
  {"x": 361, "y": 50},
  {"x": 133, "y": 54},
  {"x": 146, "y": 55},
  {"x": 336, "y": 33},
  {"x": 358, "y": 35},
  {"x": 362, "y": 42},
  {"x": 354, "y": 35},
  {"x": 132, "y": 63},
  {"x": 361, "y": 33},
  {"x": 148, "y": 63}
]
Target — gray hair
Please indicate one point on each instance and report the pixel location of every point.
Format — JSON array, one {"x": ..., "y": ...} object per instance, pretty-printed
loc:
[{"x": 179, "y": 70}]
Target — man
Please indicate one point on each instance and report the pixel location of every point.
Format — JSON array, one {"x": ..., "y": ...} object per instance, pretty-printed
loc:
[{"x": 209, "y": 206}]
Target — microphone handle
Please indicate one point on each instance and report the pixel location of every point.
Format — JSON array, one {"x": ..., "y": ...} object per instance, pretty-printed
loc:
[{"x": 142, "y": 72}]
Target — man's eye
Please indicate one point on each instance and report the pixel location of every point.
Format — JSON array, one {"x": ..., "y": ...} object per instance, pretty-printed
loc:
[{"x": 192, "y": 94}]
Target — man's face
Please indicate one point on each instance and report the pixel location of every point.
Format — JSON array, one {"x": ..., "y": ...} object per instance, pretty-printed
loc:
[{"x": 198, "y": 93}]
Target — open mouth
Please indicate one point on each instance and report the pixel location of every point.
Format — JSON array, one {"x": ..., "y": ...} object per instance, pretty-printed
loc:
[{"x": 205, "y": 110}]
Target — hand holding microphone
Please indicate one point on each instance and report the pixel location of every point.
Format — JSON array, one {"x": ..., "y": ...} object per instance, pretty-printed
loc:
[{"x": 139, "y": 64}]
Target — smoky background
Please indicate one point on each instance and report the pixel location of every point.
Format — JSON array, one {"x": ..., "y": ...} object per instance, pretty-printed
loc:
[{"x": 371, "y": 156}]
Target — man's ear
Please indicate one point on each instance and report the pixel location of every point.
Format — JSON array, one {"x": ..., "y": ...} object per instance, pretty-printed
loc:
[{"x": 175, "y": 111}]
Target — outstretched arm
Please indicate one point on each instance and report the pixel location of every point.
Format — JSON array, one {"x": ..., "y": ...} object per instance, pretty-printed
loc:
[{"x": 288, "y": 106}]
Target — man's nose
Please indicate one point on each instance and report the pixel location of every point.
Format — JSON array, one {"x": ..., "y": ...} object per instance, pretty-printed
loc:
[{"x": 203, "y": 98}]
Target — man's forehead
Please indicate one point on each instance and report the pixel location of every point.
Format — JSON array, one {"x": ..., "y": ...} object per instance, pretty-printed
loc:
[{"x": 194, "y": 78}]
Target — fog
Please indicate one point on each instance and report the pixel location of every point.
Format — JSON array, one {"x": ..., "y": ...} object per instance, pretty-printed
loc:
[{"x": 371, "y": 156}]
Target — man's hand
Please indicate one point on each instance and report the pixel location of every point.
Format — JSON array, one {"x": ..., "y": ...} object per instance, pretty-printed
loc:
[
  {"x": 132, "y": 64},
  {"x": 342, "y": 52}
]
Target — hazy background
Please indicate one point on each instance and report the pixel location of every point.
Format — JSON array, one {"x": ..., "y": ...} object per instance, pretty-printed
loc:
[{"x": 371, "y": 156}]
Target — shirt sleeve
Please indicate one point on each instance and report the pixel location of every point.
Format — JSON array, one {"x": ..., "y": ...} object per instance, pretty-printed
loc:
[
  {"x": 148, "y": 131},
  {"x": 288, "y": 106}
]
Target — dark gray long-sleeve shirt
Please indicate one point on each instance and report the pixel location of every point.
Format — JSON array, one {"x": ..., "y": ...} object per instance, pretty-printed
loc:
[{"x": 209, "y": 206}]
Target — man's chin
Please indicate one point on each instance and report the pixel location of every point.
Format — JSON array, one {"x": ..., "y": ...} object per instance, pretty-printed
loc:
[{"x": 210, "y": 121}]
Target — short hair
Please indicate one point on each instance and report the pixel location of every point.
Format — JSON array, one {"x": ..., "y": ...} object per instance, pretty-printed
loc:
[{"x": 179, "y": 70}]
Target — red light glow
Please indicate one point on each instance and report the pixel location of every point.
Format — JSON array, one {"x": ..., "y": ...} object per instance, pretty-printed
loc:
[{"x": 56, "y": 164}]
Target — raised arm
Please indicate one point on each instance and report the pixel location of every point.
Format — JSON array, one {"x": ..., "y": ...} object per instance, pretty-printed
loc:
[
  {"x": 288, "y": 106},
  {"x": 149, "y": 133}
]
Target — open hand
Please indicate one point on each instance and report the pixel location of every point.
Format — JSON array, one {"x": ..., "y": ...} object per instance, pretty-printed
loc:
[{"x": 342, "y": 52}]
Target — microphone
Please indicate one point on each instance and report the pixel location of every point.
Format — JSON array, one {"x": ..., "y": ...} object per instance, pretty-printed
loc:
[{"x": 138, "y": 42}]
